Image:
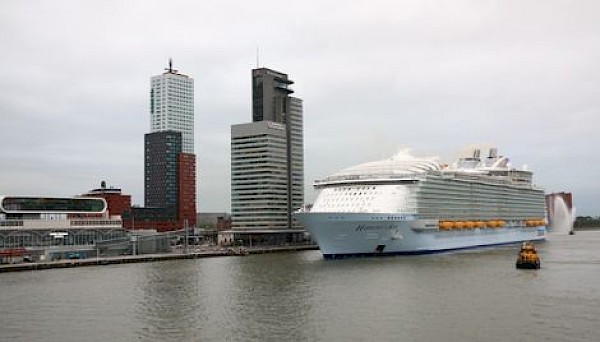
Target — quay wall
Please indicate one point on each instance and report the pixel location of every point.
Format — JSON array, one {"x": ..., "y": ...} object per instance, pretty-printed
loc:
[{"x": 125, "y": 259}]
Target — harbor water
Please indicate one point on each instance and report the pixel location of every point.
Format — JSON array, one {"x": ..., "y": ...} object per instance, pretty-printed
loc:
[{"x": 475, "y": 295}]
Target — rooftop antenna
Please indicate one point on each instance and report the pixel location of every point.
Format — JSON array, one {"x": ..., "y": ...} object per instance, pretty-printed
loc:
[{"x": 170, "y": 68}]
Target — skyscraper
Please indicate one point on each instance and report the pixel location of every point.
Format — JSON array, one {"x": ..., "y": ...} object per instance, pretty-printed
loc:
[
  {"x": 267, "y": 157},
  {"x": 186, "y": 182},
  {"x": 172, "y": 105},
  {"x": 169, "y": 161},
  {"x": 294, "y": 122},
  {"x": 160, "y": 169},
  {"x": 259, "y": 189},
  {"x": 270, "y": 95}
]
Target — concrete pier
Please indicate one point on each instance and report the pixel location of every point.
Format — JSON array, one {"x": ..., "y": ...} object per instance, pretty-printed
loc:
[{"x": 125, "y": 259}]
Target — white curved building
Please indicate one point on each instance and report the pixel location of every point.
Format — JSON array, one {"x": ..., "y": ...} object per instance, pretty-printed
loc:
[{"x": 410, "y": 205}]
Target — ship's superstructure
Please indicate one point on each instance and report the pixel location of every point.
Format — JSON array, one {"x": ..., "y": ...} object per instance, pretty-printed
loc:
[{"x": 406, "y": 204}]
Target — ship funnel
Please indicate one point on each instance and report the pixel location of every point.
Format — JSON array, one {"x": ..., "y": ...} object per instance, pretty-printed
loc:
[
  {"x": 493, "y": 152},
  {"x": 476, "y": 153}
]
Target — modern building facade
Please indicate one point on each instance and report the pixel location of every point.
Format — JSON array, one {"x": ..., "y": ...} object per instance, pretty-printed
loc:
[
  {"x": 172, "y": 105},
  {"x": 117, "y": 202},
  {"x": 270, "y": 95},
  {"x": 54, "y": 228},
  {"x": 267, "y": 157},
  {"x": 295, "y": 155},
  {"x": 169, "y": 159},
  {"x": 186, "y": 184},
  {"x": 161, "y": 151},
  {"x": 259, "y": 189},
  {"x": 169, "y": 184}
]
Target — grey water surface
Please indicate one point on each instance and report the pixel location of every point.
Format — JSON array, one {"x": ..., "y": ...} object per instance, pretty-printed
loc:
[{"x": 468, "y": 296}]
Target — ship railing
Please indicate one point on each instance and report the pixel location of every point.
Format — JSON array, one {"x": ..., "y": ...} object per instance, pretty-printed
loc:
[
  {"x": 366, "y": 178},
  {"x": 484, "y": 179}
]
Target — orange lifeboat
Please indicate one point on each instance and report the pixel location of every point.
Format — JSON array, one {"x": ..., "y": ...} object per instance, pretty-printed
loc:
[
  {"x": 500, "y": 223},
  {"x": 446, "y": 225},
  {"x": 491, "y": 224},
  {"x": 470, "y": 224},
  {"x": 480, "y": 224},
  {"x": 459, "y": 224}
]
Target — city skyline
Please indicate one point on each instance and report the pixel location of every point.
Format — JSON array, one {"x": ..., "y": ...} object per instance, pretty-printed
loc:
[{"x": 434, "y": 76}]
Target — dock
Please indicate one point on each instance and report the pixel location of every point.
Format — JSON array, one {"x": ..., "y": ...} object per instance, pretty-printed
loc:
[{"x": 127, "y": 259}]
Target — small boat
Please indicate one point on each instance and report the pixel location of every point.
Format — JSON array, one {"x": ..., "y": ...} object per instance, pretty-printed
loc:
[{"x": 528, "y": 258}]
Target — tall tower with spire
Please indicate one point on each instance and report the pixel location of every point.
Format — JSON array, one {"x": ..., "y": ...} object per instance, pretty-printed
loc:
[
  {"x": 170, "y": 162},
  {"x": 172, "y": 105}
]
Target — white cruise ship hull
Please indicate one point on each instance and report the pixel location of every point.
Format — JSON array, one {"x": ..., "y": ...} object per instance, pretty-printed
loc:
[{"x": 365, "y": 234}]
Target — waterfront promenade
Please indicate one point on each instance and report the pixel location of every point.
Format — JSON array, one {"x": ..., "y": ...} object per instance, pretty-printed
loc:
[{"x": 193, "y": 253}]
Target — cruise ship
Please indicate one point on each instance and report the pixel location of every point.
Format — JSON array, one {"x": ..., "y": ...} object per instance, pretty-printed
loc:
[{"x": 411, "y": 205}]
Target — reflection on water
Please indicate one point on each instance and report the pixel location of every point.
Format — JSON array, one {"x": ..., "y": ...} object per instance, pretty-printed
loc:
[
  {"x": 169, "y": 302},
  {"x": 225, "y": 297},
  {"x": 268, "y": 296},
  {"x": 476, "y": 295}
]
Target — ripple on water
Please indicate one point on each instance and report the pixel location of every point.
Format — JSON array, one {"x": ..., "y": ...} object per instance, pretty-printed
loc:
[{"x": 301, "y": 297}]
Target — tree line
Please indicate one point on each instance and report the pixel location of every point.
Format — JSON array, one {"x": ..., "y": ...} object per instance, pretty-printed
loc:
[{"x": 586, "y": 222}]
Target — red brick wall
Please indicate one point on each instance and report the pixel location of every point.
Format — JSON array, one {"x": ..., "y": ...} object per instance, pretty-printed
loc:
[
  {"x": 186, "y": 203},
  {"x": 159, "y": 226},
  {"x": 186, "y": 200},
  {"x": 117, "y": 204}
]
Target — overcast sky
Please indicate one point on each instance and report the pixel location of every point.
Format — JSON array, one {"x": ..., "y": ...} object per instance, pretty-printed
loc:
[{"x": 374, "y": 76}]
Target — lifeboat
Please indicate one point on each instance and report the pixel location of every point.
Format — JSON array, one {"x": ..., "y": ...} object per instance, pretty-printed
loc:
[
  {"x": 470, "y": 224},
  {"x": 480, "y": 224},
  {"x": 491, "y": 224},
  {"x": 459, "y": 224},
  {"x": 446, "y": 225},
  {"x": 530, "y": 223},
  {"x": 536, "y": 223},
  {"x": 528, "y": 257},
  {"x": 500, "y": 223}
]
